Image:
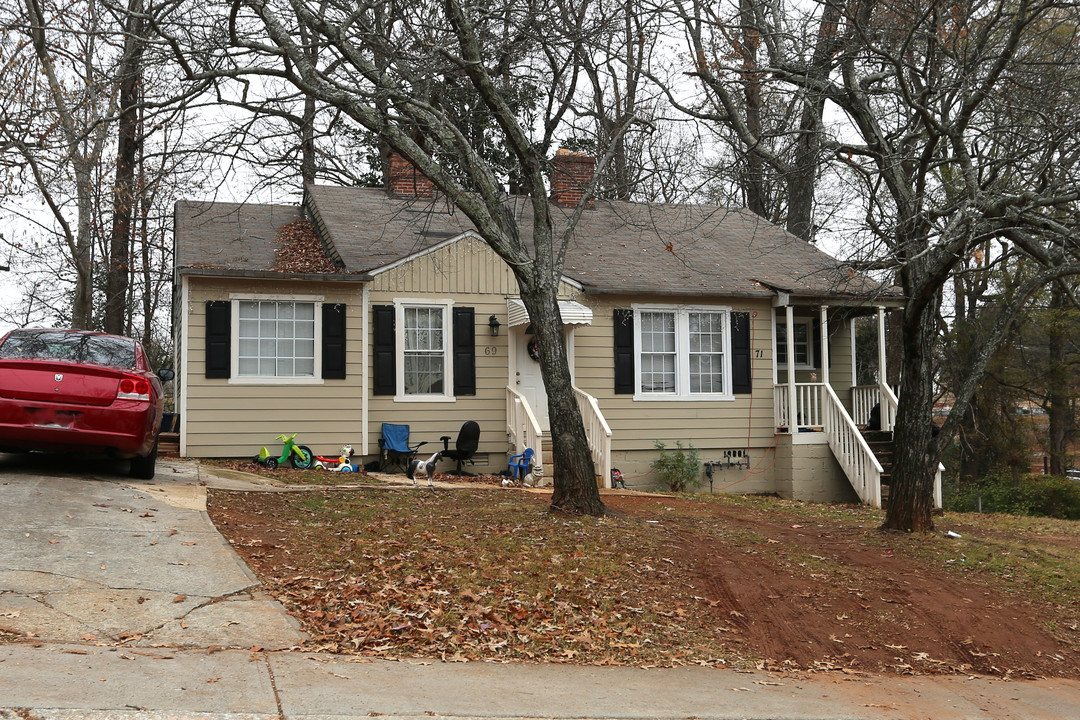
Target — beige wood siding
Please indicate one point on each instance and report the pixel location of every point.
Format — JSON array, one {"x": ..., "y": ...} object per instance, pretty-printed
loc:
[
  {"x": 468, "y": 274},
  {"x": 226, "y": 419},
  {"x": 745, "y": 423}
]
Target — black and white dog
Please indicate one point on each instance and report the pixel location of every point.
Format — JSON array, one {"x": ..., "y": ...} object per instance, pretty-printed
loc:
[{"x": 423, "y": 468}]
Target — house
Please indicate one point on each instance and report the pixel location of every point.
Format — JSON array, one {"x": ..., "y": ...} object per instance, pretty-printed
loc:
[{"x": 684, "y": 323}]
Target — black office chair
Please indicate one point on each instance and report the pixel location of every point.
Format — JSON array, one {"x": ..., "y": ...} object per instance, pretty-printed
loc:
[{"x": 468, "y": 440}]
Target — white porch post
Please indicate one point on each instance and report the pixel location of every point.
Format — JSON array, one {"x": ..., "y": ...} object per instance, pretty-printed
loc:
[
  {"x": 825, "y": 344},
  {"x": 881, "y": 345},
  {"x": 793, "y": 403}
]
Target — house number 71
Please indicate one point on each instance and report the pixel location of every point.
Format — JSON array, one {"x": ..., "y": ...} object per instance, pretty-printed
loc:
[{"x": 759, "y": 353}]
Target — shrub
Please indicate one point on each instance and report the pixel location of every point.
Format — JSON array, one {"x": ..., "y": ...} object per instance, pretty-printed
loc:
[
  {"x": 679, "y": 470},
  {"x": 1044, "y": 495}
]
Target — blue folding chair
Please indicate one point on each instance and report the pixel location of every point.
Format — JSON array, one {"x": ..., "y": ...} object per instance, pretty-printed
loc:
[
  {"x": 394, "y": 447},
  {"x": 520, "y": 466}
]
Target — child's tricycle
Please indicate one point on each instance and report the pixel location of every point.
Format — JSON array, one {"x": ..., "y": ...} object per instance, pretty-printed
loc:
[
  {"x": 300, "y": 456},
  {"x": 342, "y": 463}
]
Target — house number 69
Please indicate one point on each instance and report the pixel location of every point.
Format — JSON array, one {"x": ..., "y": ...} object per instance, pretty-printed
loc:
[{"x": 491, "y": 349}]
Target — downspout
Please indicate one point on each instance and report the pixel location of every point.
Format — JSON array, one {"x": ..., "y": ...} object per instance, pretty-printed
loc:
[
  {"x": 181, "y": 358},
  {"x": 365, "y": 365}
]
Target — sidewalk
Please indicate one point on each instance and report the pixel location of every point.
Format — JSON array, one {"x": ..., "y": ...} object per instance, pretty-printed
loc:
[
  {"x": 68, "y": 681},
  {"x": 137, "y": 608}
]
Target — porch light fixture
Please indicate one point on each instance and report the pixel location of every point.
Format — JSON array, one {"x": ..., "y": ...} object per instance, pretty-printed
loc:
[{"x": 493, "y": 323}]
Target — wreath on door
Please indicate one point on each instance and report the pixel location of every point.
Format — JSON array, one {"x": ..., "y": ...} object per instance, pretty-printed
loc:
[{"x": 534, "y": 348}]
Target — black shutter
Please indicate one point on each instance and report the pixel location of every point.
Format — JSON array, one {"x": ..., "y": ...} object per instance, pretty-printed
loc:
[
  {"x": 741, "y": 376},
  {"x": 333, "y": 341},
  {"x": 218, "y": 336},
  {"x": 464, "y": 351},
  {"x": 385, "y": 370},
  {"x": 624, "y": 352}
]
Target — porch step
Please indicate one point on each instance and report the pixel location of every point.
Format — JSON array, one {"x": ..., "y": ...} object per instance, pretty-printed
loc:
[
  {"x": 168, "y": 444},
  {"x": 881, "y": 444}
]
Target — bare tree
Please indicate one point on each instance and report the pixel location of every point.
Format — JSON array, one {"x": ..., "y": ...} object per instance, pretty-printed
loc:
[
  {"x": 80, "y": 131},
  {"x": 56, "y": 101},
  {"x": 775, "y": 130},
  {"x": 128, "y": 133},
  {"x": 923, "y": 93}
]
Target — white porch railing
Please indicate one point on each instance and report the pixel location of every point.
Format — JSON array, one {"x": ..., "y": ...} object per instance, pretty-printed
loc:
[
  {"x": 819, "y": 409},
  {"x": 809, "y": 406},
  {"x": 523, "y": 427},
  {"x": 851, "y": 450},
  {"x": 524, "y": 430},
  {"x": 598, "y": 433},
  {"x": 865, "y": 397}
]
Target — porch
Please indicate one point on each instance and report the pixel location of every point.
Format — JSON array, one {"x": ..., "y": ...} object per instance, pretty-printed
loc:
[{"x": 813, "y": 413}]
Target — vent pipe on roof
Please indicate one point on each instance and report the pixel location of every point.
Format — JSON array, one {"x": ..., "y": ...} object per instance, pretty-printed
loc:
[
  {"x": 571, "y": 174},
  {"x": 406, "y": 181}
]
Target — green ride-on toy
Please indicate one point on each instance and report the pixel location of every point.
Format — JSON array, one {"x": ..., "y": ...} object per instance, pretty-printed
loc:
[{"x": 300, "y": 456}]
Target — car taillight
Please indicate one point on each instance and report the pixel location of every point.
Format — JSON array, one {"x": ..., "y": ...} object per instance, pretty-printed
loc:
[{"x": 133, "y": 387}]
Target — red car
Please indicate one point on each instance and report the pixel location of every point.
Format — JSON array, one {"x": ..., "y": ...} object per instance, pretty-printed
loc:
[{"x": 74, "y": 390}]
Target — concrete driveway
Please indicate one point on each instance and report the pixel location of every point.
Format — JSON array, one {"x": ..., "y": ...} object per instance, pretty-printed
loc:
[{"x": 86, "y": 554}]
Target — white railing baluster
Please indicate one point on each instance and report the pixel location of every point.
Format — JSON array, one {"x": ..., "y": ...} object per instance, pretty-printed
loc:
[
  {"x": 848, "y": 445},
  {"x": 598, "y": 433}
]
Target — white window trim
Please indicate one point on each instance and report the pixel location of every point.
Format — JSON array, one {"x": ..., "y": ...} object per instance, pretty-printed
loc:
[
  {"x": 234, "y": 340},
  {"x": 448, "y": 351},
  {"x": 682, "y": 354},
  {"x": 809, "y": 322}
]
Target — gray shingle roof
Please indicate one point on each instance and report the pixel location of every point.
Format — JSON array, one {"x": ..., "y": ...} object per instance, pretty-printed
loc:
[
  {"x": 229, "y": 236},
  {"x": 627, "y": 248},
  {"x": 616, "y": 247}
]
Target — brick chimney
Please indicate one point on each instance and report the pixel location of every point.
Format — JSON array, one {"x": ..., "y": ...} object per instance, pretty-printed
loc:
[
  {"x": 571, "y": 173},
  {"x": 406, "y": 181}
]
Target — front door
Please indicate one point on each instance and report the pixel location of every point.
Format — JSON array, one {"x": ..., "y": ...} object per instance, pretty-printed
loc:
[{"x": 527, "y": 380}]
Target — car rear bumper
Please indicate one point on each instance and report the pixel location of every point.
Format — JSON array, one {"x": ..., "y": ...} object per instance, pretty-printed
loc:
[{"x": 125, "y": 428}]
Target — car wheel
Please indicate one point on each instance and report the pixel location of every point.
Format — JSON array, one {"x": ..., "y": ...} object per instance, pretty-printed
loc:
[
  {"x": 301, "y": 457},
  {"x": 142, "y": 468}
]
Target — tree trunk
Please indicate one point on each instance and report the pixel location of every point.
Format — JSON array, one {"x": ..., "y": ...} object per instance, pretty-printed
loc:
[
  {"x": 117, "y": 277},
  {"x": 82, "y": 303},
  {"x": 914, "y": 462},
  {"x": 576, "y": 489},
  {"x": 1057, "y": 390},
  {"x": 802, "y": 181}
]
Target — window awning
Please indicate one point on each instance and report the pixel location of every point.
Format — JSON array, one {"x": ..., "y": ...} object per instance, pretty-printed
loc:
[{"x": 573, "y": 313}]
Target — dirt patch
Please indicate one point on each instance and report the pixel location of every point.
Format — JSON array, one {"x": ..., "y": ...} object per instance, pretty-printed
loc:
[
  {"x": 668, "y": 581},
  {"x": 820, "y": 595}
]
